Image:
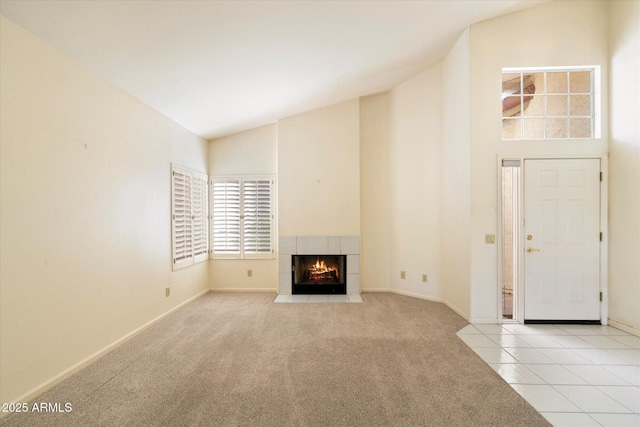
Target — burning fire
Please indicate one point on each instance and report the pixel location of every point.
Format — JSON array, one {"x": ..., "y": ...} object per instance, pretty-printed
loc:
[{"x": 320, "y": 268}]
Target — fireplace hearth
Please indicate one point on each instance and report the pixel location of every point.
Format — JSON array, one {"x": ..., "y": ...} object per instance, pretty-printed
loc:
[{"x": 319, "y": 274}]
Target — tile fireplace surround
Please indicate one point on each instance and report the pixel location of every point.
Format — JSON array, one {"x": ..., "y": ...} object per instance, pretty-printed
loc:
[{"x": 318, "y": 245}]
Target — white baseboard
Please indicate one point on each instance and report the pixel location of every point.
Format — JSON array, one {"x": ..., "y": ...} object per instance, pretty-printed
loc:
[
  {"x": 624, "y": 327},
  {"x": 428, "y": 298},
  {"x": 414, "y": 295},
  {"x": 57, "y": 379},
  {"x": 456, "y": 310},
  {"x": 272, "y": 290}
]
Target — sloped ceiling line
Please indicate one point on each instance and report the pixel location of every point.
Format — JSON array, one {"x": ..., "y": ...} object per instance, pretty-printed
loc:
[{"x": 219, "y": 67}]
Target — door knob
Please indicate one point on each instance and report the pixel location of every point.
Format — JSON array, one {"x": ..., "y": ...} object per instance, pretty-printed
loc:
[{"x": 532, "y": 250}]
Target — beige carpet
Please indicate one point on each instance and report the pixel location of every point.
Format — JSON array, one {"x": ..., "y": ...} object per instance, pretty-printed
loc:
[{"x": 242, "y": 360}]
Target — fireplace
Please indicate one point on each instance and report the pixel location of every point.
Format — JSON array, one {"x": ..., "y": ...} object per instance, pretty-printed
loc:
[
  {"x": 311, "y": 246},
  {"x": 319, "y": 274}
]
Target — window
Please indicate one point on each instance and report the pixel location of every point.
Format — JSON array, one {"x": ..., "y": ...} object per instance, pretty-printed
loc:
[
  {"x": 549, "y": 103},
  {"x": 243, "y": 218},
  {"x": 190, "y": 212}
]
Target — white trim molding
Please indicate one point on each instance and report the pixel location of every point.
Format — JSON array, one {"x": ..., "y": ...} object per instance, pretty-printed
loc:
[
  {"x": 57, "y": 379},
  {"x": 624, "y": 327}
]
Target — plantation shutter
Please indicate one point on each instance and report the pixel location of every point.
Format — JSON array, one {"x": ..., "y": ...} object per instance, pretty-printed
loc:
[
  {"x": 257, "y": 223},
  {"x": 189, "y": 217},
  {"x": 182, "y": 236},
  {"x": 200, "y": 222},
  {"x": 243, "y": 218},
  {"x": 226, "y": 216}
]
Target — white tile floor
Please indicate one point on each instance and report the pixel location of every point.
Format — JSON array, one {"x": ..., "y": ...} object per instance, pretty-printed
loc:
[
  {"x": 574, "y": 375},
  {"x": 318, "y": 298}
]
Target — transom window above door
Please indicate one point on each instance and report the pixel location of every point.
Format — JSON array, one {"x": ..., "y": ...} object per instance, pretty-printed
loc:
[{"x": 550, "y": 103}]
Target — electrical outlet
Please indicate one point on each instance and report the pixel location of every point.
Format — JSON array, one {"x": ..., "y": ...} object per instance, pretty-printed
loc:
[
  {"x": 249, "y": 273},
  {"x": 424, "y": 278},
  {"x": 403, "y": 274},
  {"x": 489, "y": 239},
  {"x": 167, "y": 292}
]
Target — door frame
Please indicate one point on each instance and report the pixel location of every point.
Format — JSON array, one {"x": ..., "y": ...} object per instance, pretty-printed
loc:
[{"x": 604, "y": 221}]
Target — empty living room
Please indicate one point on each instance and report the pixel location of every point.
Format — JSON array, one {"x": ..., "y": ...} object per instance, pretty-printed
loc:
[{"x": 320, "y": 213}]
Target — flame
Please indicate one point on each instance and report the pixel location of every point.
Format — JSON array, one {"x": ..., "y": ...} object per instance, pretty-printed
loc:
[{"x": 321, "y": 267}]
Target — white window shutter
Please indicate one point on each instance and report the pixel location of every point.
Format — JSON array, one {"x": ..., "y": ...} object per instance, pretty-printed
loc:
[
  {"x": 225, "y": 200},
  {"x": 181, "y": 219},
  {"x": 189, "y": 217},
  {"x": 200, "y": 222},
  {"x": 258, "y": 221},
  {"x": 242, "y": 217}
]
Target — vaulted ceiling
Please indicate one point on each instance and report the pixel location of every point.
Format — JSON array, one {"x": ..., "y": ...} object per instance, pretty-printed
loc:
[{"x": 218, "y": 67}]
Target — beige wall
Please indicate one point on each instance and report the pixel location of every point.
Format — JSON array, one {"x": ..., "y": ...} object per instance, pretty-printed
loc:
[
  {"x": 319, "y": 172},
  {"x": 624, "y": 165},
  {"x": 375, "y": 134},
  {"x": 253, "y": 152},
  {"x": 456, "y": 180},
  {"x": 415, "y": 185},
  {"x": 85, "y": 202},
  {"x": 85, "y": 213},
  {"x": 553, "y": 34}
]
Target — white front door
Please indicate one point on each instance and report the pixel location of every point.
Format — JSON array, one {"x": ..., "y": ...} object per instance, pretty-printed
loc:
[{"x": 562, "y": 239}]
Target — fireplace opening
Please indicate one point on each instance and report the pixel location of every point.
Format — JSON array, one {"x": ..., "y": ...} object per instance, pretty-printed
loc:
[{"x": 318, "y": 274}]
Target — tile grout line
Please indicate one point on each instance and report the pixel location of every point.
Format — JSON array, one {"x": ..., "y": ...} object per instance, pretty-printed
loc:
[{"x": 547, "y": 333}]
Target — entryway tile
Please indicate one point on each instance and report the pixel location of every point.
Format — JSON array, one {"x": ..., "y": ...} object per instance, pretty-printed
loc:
[
  {"x": 548, "y": 330},
  {"x": 595, "y": 375},
  {"x": 556, "y": 375},
  {"x": 559, "y": 419},
  {"x": 629, "y": 373},
  {"x": 600, "y": 357},
  {"x": 469, "y": 330},
  {"x": 629, "y": 396},
  {"x": 608, "y": 330},
  {"x": 629, "y": 340},
  {"x": 518, "y": 329},
  {"x": 604, "y": 342},
  {"x": 529, "y": 355},
  {"x": 515, "y": 373},
  {"x": 540, "y": 341},
  {"x": 617, "y": 420},
  {"x": 474, "y": 341},
  {"x": 564, "y": 356},
  {"x": 575, "y": 375},
  {"x": 494, "y": 355},
  {"x": 545, "y": 398},
  {"x": 572, "y": 342},
  {"x": 631, "y": 356},
  {"x": 508, "y": 341},
  {"x": 590, "y": 399},
  {"x": 579, "y": 329},
  {"x": 492, "y": 329}
]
